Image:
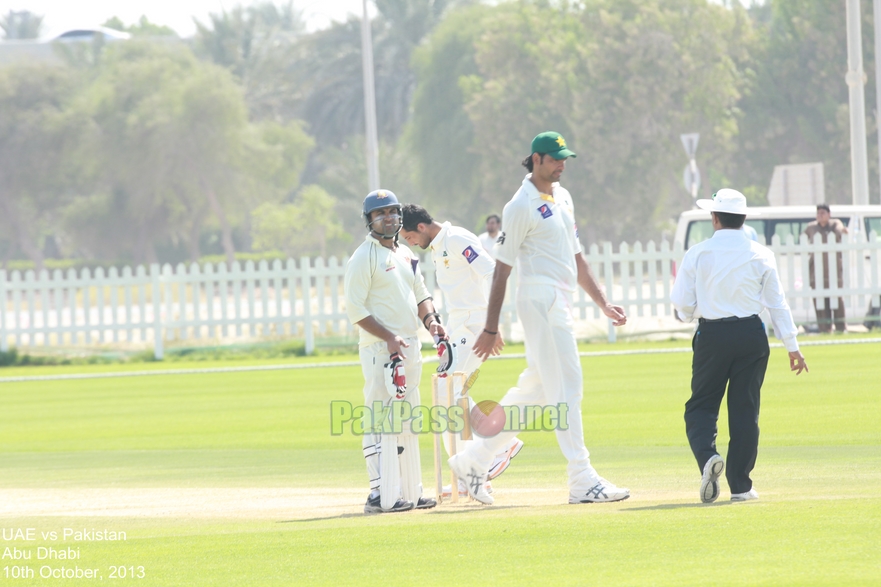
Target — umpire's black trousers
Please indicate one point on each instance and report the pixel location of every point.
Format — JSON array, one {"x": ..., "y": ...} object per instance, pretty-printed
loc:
[{"x": 733, "y": 353}]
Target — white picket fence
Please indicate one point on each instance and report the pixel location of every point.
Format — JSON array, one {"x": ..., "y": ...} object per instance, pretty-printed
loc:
[{"x": 306, "y": 301}]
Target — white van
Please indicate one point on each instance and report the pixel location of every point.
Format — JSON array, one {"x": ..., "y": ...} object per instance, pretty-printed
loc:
[
  {"x": 695, "y": 226},
  {"x": 769, "y": 221}
]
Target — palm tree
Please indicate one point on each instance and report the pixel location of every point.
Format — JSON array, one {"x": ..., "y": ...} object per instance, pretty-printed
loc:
[
  {"x": 21, "y": 24},
  {"x": 332, "y": 98},
  {"x": 238, "y": 39}
]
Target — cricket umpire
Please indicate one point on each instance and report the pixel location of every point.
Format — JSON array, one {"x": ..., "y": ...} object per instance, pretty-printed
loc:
[
  {"x": 387, "y": 299},
  {"x": 725, "y": 282}
]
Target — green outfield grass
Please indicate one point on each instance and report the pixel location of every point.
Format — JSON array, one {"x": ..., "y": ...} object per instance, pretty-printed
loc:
[{"x": 819, "y": 476}]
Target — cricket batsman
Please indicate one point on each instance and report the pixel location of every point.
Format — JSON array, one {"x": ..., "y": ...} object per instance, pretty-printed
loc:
[{"x": 387, "y": 299}]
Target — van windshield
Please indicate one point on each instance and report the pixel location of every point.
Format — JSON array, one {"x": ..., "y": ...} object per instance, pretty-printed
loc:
[{"x": 701, "y": 230}]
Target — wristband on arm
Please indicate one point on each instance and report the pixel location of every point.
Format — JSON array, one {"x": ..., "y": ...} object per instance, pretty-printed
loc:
[{"x": 434, "y": 315}]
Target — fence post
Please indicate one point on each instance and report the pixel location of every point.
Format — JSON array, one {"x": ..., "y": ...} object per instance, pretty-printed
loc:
[
  {"x": 158, "y": 351},
  {"x": 306, "y": 288}
]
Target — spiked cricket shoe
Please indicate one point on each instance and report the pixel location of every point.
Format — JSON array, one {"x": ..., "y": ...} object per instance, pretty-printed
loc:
[
  {"x": 710, "y": 479},
  {"x": 503, "y": 459}
]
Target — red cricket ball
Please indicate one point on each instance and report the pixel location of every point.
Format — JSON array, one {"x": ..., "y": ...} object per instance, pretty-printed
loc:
[{"x": 487, "y": 418}]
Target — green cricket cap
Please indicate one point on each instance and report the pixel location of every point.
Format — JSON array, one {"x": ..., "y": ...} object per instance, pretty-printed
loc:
[{"x": 553, "y": 144}]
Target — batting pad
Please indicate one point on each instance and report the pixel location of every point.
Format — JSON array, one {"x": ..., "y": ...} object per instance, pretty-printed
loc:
[
  {"x": 389, "y": 471},
  {"x": 370, "y": 447},
  {"x": 411, "y": 469}
]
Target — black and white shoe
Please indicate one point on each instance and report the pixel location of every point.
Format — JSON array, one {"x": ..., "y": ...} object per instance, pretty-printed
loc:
[
  {"x": 602, "y": 492},
  {"x": 425, "y": 503},
  {"x": 374, "y": 506},
  {"x": 710, "y": 479}
]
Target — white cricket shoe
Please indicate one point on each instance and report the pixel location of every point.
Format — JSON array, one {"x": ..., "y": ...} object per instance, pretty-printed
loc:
[
  {"x": 748, "y": 496},
  {"x": 603, "y": 491},
  {"x": 473, "y": 477},
  {"x": 503, "y": 459},
  {"x": 710, "y": 479},
  {"x": 447, "y": 490}
]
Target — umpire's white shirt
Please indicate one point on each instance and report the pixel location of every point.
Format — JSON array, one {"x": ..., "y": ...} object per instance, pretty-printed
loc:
[
  {"x": 463, "y": 269},
  {"x": 731, "y": 275},
  {"x": 387, "y": 285},
  {"x": 541, "y": 237}
]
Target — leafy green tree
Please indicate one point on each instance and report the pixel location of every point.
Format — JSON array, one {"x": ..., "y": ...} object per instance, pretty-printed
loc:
[
  {"x": 304, "y": 227},
  {"x": 621, "y": 79},
  {"x": 22, "y": 24},
  {"x": 142, "y": 28},
  {"x": 344, "y": 176},
  {"x": 38, "y": 136},
  {"x": 440, "y": 133},
  {"x": 176, "y": 154},
  {"x": 795, "y": 109}
]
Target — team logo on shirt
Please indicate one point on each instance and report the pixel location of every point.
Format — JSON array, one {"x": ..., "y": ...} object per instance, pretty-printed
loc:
[
  {"x": 545, "y": 211},
  {"x": 501, "y": 239},
  {"x": 470, "y": 254}
]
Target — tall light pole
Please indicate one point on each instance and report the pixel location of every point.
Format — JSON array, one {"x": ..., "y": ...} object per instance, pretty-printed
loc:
[
  {"x": 877, "y": 9},
  {"x": 855, "y": 78},
  {"x": 372, "y": 139},
  {"x": 691, "y": 177}
]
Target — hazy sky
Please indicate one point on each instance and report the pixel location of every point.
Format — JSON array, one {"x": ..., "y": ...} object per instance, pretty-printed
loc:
[{"x": 62, "y": 15}]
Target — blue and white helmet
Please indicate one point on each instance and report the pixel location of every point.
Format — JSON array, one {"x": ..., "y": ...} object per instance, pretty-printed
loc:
[{"x": 381, "y": 199}]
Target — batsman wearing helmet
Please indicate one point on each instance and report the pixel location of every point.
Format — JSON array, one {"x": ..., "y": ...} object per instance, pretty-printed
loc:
[
  {"x": 387, "y": 299},
  {"x": 464, "y": 270}
]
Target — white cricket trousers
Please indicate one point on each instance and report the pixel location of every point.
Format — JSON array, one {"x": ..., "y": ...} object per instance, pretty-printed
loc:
[
  {"x": 373, "y": 360},
  {"x": 463, "y": 330},
  {"x": 552, "y": 376}
]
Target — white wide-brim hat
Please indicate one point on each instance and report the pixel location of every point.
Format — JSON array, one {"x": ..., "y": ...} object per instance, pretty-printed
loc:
[{"x": 726, "y": 200}]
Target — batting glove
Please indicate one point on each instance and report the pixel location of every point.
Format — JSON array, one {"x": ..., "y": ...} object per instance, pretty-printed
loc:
[
  {"x": 395, "y": 377},
  {"x": 444, "y": 354}
]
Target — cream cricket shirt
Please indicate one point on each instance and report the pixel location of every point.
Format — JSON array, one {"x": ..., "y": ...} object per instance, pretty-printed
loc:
[
  {"x": 463, "y": 269},
  {"x": 540, "y": 236},
  {"x": 384, "y": 284}
]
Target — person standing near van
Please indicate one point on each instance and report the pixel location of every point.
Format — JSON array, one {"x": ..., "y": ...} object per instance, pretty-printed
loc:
[{"x": 825, "y": 226}]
